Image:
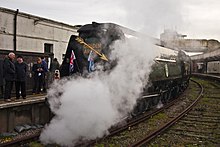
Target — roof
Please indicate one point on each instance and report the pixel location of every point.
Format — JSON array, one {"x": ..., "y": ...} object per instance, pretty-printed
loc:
[
  {"x": 37, "y": 18},
  {"x": 210, "y": 56}
]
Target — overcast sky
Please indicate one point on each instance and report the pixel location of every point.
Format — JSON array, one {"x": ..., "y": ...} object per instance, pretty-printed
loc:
[{"x": 196, "y": 18}]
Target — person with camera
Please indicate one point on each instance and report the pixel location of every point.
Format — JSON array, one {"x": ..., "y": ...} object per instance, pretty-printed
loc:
[
  {"x": 38, "y": 71},
  {"x": 45, "y": 67}
]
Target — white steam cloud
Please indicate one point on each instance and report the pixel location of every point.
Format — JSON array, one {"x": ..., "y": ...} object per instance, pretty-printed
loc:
[
  {"x": 153, "y": 16},
  {"x": 88, "y": 107}
]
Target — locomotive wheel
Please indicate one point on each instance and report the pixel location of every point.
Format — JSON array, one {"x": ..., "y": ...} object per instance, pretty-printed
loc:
[
  {"x": 141, "y": 107},
  {"x": 164, "y": 97},
  {"x": 147, "y": 104},
  {"x": 175, "y": 92},
  {"x": 169, "y": 96},
  {"x": 134, "y": 112},
  {"x": 155, "y": 100},
  {"x": 138, "y": 108}
]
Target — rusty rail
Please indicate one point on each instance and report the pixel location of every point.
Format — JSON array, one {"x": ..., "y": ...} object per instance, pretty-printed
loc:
[
  {"x": 25, "y": 139},
  {"x": 135, "y": 121},
  {"x": 170, "y": 123}
]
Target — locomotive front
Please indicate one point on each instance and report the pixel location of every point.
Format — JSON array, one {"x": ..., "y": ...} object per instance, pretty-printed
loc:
[
  {"x": 89, "y": 48},
  {"x": 169, "y": 74}
]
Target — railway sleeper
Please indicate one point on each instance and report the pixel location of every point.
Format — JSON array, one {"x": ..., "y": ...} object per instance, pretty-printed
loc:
[
  {"x": 200, "y": 123},
  {"x": 192, "y": 135},
  {"x": 202, "y": 120},
  {"x": 194, "y": 131}
]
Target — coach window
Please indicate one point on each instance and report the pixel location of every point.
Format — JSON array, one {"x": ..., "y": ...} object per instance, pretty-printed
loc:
[{"x": 48, "y": 48}]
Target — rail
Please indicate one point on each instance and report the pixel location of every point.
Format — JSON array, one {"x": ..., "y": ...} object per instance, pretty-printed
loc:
[{"x": 170, "y": 123}]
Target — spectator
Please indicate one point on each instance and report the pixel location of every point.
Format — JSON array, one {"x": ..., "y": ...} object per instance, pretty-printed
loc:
[
  {"x": 9, "y": 75},
  {"x": 54, "y": 66},
  {"x": 1, "y": 79},
  {"x": 38, "y": 71},
  {"x": 20, "y": 78},
  {"x": 44, "y": 64},
  {"x": 65, "y": 68}
]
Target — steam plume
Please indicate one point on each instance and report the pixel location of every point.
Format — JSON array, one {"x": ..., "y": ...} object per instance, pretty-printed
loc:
[{"x": 88, "y": 107}]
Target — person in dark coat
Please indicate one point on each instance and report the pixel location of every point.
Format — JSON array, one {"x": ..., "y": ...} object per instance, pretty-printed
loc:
[
  {"x": 1, "y": 79},
  {"x": 54, "y": 66},
  {"x": 38, "y": 70},
  {"x": 20, "y": 79},
  {"x": 65, "y": 68},
  {"x": 44, "y": 64},
  {"x": 9, "y": 75}
]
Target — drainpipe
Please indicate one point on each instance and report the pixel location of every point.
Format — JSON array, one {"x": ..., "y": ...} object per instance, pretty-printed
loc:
[{"x": 15, "y": 30}]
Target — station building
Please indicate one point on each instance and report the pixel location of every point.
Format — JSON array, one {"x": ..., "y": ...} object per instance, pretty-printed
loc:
[
  {"x": 32, "y": 36},
  {"x": 174, "y": 40},
  {"x": 28, "y": 34}
]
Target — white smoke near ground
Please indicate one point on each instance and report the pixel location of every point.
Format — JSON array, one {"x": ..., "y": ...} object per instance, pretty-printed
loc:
[
  {"x": 88, "y": 107},
  {"x": 83, "y": 111}
]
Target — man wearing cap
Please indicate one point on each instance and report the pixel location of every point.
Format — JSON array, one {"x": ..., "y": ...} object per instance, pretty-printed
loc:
[
  {"x": 20, "y": 78},
  {"x": 9, "y": 75}
]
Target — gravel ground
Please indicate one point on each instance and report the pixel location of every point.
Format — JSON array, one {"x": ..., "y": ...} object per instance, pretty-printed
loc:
[
  {"x": 18, "y": 136},
  {"x": 201, "y": 127},
  {"x": 141, "y": 130}
]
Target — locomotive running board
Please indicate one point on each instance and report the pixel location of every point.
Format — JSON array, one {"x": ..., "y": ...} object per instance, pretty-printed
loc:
[{"x": 152, "y": 95}]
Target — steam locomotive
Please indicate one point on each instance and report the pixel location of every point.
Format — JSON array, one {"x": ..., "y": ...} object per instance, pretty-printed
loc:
[{"x": 170, "y": 73}]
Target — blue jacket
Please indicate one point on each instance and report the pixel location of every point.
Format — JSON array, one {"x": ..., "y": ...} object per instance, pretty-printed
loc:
[
  {"x": 38, "y": 73},
  {"x": 44, "y": 63}
]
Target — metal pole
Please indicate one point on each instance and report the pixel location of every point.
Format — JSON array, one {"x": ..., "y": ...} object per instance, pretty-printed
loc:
[{"x": 15, "y": 30}]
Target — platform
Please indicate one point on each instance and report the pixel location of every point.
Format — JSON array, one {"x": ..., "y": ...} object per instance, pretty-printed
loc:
[
  {"x": 208, "y": 76},
  {"x": 32, "y": 110},
  {"x": 31, "y": 99}
]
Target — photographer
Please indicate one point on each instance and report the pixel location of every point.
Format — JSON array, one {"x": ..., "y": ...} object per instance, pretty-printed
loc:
[{"x": 38, "y": 70}]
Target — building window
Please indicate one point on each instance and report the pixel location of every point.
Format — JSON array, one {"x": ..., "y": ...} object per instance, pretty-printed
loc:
[{"x": 48, "y": 48}]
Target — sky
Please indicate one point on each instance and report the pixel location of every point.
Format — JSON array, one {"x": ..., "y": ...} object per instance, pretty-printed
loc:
[{"x": 198, "y": 19}]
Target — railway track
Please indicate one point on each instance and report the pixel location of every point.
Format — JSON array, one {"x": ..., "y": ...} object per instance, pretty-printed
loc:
[
  {"x": 171, "y": 122},
  {"x": 113, "y": 131},
  {"x": 180, "y": 129},
  {"x": 22, "y": 139},
  {"x": 134, "y": 132},
  {"x": 131, "y": 123},
  {"x": 201, "y": 126},
  {"x": 135, "y": 135}
]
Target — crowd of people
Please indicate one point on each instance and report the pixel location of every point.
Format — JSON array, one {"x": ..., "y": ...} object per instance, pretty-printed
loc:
[{"x": 15, "y": 73}]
